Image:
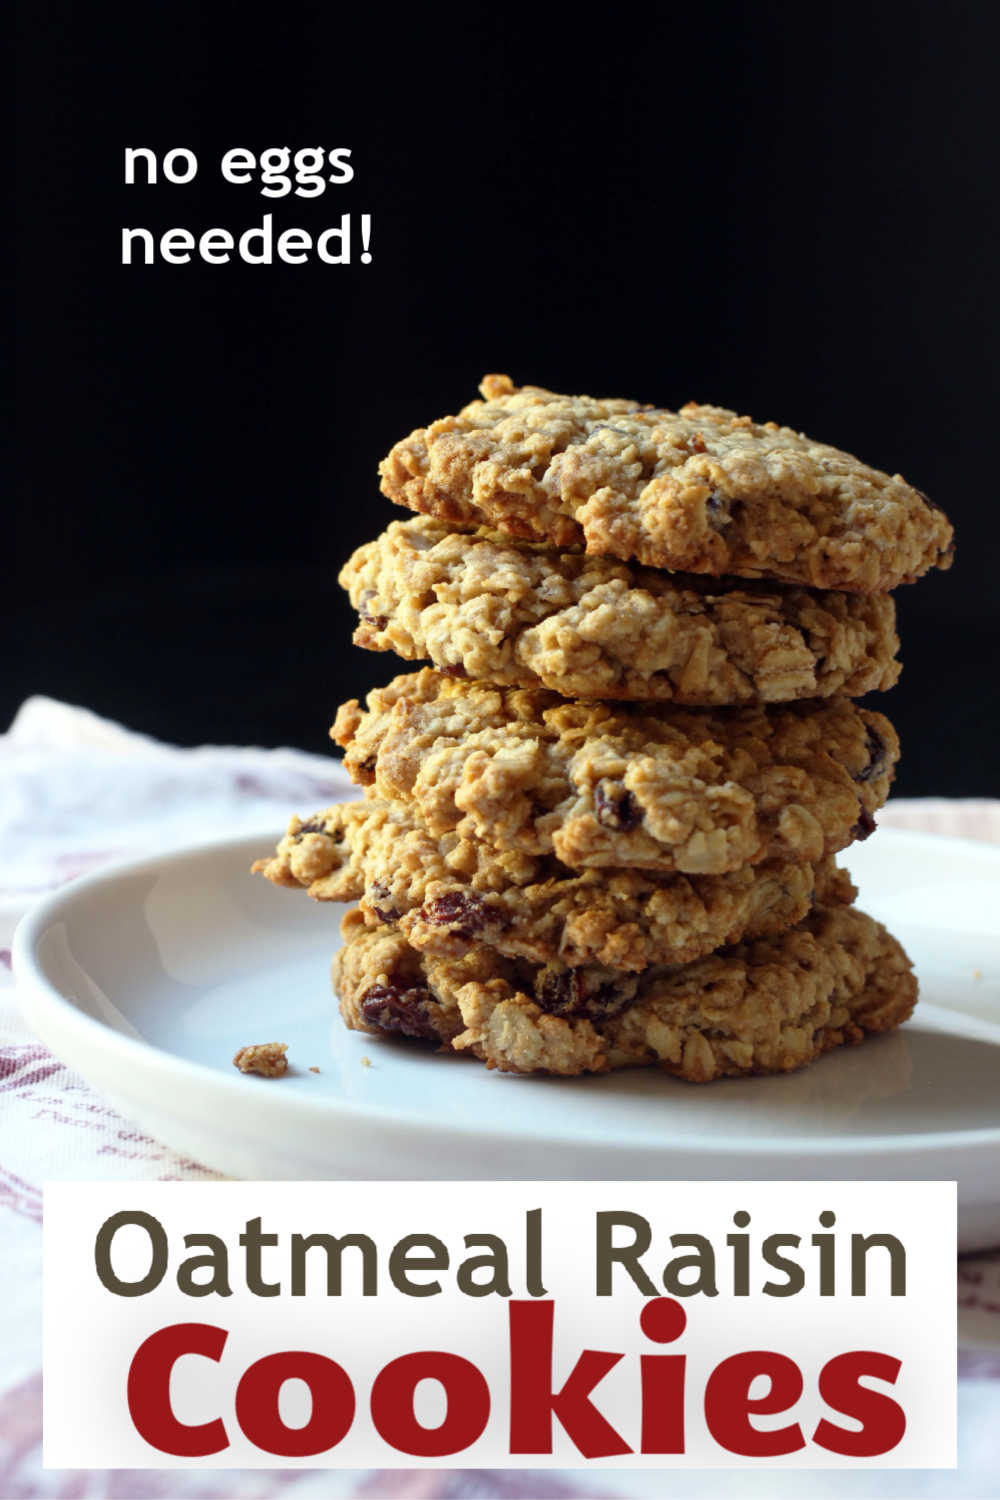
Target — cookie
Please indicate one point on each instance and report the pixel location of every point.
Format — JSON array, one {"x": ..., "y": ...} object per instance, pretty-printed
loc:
[
  {"x": 587, "y": 627},
  {"x": 656, "y": 788},
  {"x": 701, "y": 490},
  {"x": 768, "y": 1006},
  {"x": 449, "y": 896},
  {"x": 266, "y": 1058}
]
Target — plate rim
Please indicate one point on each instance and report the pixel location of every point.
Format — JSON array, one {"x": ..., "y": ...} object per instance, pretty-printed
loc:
[{"x": 39, "y": 997}]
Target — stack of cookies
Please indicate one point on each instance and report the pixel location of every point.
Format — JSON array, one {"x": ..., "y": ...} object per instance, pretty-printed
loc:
[{"x": 600, "y": 829}]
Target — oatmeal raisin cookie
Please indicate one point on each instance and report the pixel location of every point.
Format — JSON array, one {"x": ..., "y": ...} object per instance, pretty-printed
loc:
[
  {"x": 648, "y": 787},
  {"x": 481, "y": 606},
  {"x": 450, "y": 895},
  {"x": 768, "y": 1006},
  {"x": 701, "y": 490}
]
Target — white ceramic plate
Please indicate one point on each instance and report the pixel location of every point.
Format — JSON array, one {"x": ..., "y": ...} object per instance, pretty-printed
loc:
[{"x": 147, "y": 978}]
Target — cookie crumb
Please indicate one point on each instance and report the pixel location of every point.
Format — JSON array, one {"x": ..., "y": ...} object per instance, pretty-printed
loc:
[
  {"x": 314, "y": 1070},
  {"x": 266, "y": 1058},
  {"x": 366, "y": 1061}
]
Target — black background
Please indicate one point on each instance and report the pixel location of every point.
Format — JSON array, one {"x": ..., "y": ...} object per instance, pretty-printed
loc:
[{"x": 787, "y": 209}]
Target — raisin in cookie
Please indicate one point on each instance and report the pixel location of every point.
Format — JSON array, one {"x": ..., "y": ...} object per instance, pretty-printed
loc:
[
  {"x": 448, "y": 896},
  {"x": 763, "y": 1007},
  {"x": 657, "y": 788},
  {"x": 482, "y": 607},
  {"x": 701, "y": 490}
]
